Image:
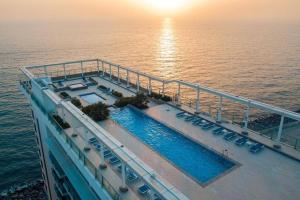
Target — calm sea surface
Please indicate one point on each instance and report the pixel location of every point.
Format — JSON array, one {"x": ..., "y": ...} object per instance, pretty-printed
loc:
[{"x": 257, "y": 61}]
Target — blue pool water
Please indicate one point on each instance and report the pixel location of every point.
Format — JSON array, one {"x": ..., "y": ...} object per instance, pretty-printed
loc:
[
  {"x": 92, "y": 98},
  {"x": 195, "y": 160}
]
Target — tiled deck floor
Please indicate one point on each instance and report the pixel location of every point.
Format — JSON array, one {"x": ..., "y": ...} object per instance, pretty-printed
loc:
[{"x": 267, "y": 175}]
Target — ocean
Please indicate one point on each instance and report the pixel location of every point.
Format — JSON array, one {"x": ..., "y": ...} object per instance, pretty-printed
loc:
[{"x": 259, "y": 61}]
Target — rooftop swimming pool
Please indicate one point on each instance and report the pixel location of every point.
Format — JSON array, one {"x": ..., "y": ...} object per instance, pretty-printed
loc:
[
  {"x": 92, "y": 98},
  {"x": 195, "y": 160}
]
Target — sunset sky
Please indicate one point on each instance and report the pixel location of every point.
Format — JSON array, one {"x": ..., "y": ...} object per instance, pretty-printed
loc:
[{"x": 216, "y": 10}]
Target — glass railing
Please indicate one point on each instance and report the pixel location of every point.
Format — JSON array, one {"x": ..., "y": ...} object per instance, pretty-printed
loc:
[
  {"x": 89, "y": 164},
  {"x": 139, "y": 167}
]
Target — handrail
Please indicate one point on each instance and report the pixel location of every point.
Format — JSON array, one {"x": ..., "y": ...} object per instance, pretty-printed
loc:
[
  {"x": 235, "y": 98},
  {"x": 89, "y": 124}
]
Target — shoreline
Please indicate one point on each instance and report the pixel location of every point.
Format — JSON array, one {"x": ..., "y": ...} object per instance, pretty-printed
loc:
[{"x": 32, "y": 190}]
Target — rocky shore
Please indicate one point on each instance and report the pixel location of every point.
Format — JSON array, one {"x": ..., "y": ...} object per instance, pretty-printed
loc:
[
  {"x": 266, "y": 122},
  {"x": 27, "y": 191}
]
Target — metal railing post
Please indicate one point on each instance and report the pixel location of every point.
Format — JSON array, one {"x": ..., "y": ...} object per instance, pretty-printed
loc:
[
  {"x": 110, "y": 71},
  {"x": 127, "y": 78},
  {"x": 64, "y": 66},
  {"x": 246, "y": 119},
  {"x": 102, "y": 163},
  {"x": 81, "y": 66},
  {"x": 102, "y": 65},
  {"x": 118, "y": 73},
  {"x": 138, "y": 83},
  {"x": 123, "y": 187},
  {"x": 198, "y": 100},
  {"x": 178, "y": 94},
  {"x": 150, "y": 86},
  {"x": 163, "y": 88},
  {"x": 98, "y": 67},
  {"x": 279, "y": 133},
  {"x": 219, "y": 111},
  {"x": 45, "y": 70}
]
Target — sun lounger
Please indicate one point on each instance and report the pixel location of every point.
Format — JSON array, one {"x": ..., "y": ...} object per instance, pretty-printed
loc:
[
  {"x": 230, "y": 136},
  {"x": 224, "y": 131},
  {"x": 132, "y": 176},
  {"x": 180, "y": 114},
  {"x": 256, "y": 148},
  {"x": 114, "y": 160},
  {"x": 109, "y": 91},
  {"x": 196, "y": 122},
  {"x": 60, "y": 83},
  {"x": 119, "y": 168},
  {"x": 184, "y": 115},
  {"x": 202, "y": 123},
  {"x": 98, "y": 147},
  {"x": 156, "y": 197},
  {"x": 196, "y": 119},
  {"x": 208, "y": 126},
  {"x": 189, "y": 118},
  {"x": 107, "y": 153},
  {"x": 241, "y": 141},
  {"x": 93, "y": 141},
  {"x": 217, "y": 131},
  {"x": 143, "y": 189}
]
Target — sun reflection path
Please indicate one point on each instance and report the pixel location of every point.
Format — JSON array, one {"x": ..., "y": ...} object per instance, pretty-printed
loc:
[{"x": 166, "y": 53}]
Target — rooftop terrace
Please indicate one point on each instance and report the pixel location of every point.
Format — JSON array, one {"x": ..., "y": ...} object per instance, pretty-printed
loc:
[{"x": 270, "y": 174}]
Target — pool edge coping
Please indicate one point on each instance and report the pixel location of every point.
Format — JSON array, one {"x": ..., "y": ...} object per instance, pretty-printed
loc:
[{"x": 202, "y": 184}]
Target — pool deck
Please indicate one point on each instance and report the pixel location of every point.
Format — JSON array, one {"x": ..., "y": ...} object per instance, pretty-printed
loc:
[{"x": 266, "y": 175}]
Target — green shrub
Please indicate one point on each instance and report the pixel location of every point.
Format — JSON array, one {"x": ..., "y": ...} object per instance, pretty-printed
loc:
[
  {"x": 117, "y": 94},
  {"x": 60, "y": 121},
  {"x": 76, "y": 102},
  {"x": 160, "y": 96},
  {"x": 139, "y": 101},
  {"x": 155, "y": 95},
  {"x": 65, "y": 95},
  {"x": 102, "y": 87},
  {"x": 97, "y": 111},
  {"x": 166, "y": 98}
]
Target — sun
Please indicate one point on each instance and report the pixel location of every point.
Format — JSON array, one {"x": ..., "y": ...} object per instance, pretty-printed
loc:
[{"x": 166, "y": 5}]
